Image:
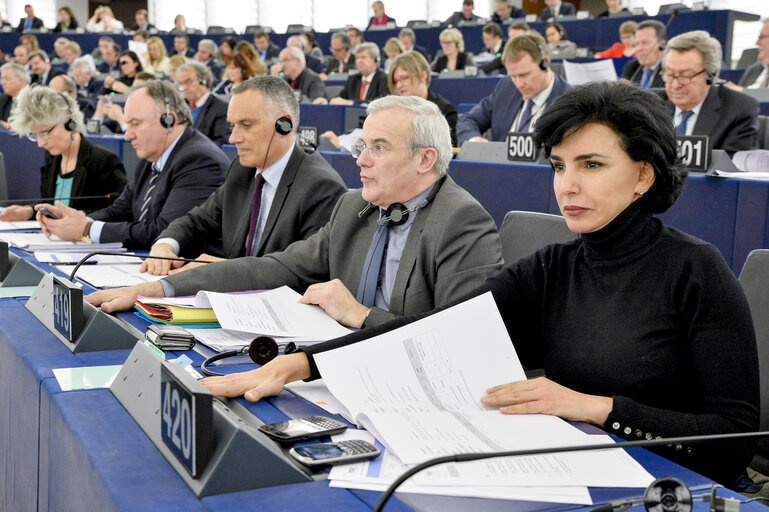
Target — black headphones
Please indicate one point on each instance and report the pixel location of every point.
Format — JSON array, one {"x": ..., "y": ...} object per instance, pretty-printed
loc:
[
  {"x": 560, "y": 28},
  {"x": 283, "y": 125},
  {"x": 167, "y": 120},
  {"x": 398, "y": 214},
  {"x": 70, "y": 125},
  {"x": 543, "y": 63},
  {"x": 262, "y": 350}
]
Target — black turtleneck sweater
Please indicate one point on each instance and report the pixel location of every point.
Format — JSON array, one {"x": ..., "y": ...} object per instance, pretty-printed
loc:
[{"x": 647, "y": 315}]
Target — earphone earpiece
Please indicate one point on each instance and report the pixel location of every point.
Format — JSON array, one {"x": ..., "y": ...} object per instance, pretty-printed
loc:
[
  {"x": 167, "y": 120},
  {"x": 543, "y": 63},
  {"x": 70, "y": 125},
  {"x": 283, "y": 125}
]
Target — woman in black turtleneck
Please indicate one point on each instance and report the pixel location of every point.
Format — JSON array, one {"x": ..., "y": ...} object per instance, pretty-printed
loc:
[{"x": 641, "y": 329}]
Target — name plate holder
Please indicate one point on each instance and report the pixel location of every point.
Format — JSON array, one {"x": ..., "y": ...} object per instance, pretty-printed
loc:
[
  {"x": 697, "y": 155},
  {"x": 16, "y": 271},
  {"x": 241, "y": 457},
  {"x": 58, "y": 304}
]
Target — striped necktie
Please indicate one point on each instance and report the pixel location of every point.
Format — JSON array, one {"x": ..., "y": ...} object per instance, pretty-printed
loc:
[{"x": 148, "y": 194}]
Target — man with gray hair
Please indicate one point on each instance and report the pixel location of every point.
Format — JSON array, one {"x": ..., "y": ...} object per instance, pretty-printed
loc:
[
  {"x": 408, "y": 38},
  {"x": 310, "y": 61},
  {"x": 297, "y": 190},
  {"x": 699, "y": 105},
  {"x": 84, "y": 73},
  {"x": 368, "y": 84},
  {"x": 207, "y": 50},
  {"x": 13, "y": 79},
  {"x": 410, "y": 240},
  {"x": 209, "y": 113},
  {"x": 179, "y": 169},
  {"x": 305, "y": 82},
  {"x": 343, "y": 60}
]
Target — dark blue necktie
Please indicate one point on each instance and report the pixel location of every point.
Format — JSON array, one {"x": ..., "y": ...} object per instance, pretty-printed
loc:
[
  {"x": 256, "y": 207},
  {"x": 525, "y": 122},
  {"x": 646, "y": 81},
  {"x": 685, "y": 115},
  {"x": 372, "y": 265},
  {"x": 148, "y": 194}
]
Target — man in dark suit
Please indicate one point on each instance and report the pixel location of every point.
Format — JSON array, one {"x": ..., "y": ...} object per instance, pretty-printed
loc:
[
  {"x": 368, "y": 84},
  {"x": 207, "y": 48},
  {"x": 757, "y": 74},
  {"x": 41, "y": 69},
  {"x": 408, "y": 39},
  {"x": 209, "y": 113},
  {"x": 649, "y": 43},
  {"x": 518, "y": 101},
  {"x": 305, "y": 82},
  {"x": 182, "y": 46},
  {"x": 66, "y": 85},
  {"x": 30, "y": 22},
  {"x": 298, "y": 191},
  {"x": 361, "y": 271},
  {"x": 493, "y": 43},
  {"x": 504, "y": 11},
  {"x": 466, "y": 15},
  {"x": 267, "y": 51},
  {"x": 13, "y": 78},
  {"x": 692, "y": 62},
  {"x": 344, "y": 60},
  {"x": 88, "y": 84},
  {"x": 310, "y": 61},
  {"x": 179, "y": 169},
  {"x": 110, "y": 54},
  {"x": 555, "y": 9},
  {"x": 142, "y": 22}
]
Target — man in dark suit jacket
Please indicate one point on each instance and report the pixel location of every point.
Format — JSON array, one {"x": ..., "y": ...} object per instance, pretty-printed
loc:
[
  {"x": 367, "y": 64},
  {"x": 142, "y": 22},
  {"x": 504, "y": 12},
  {"x": 14, "y": 78},
  {"x": 267, "y": 51},
  {"x": 309, "y": 61},
  {"x": 344, "y": 59},
  {"x": 179, "y": 169},
  {"x": 507, "y": 108},
  {"x": 692, "y": 61},
  {"x": 209, "y": 113},
  {"x": 84, "y": 73},
  {"x": 30, "y": 22},
  {"x": 41, "y": 69},
  {"x": 556, "y": 9},
  {"x": 298, "y": 193},
  {"x": 408, "y": 39},
  {"x": 757, "y": 74},
  {"x": 305, "y": 82},
  {"x": 466, "y": 15},
  {"x": 182, "y": 46},
  {"x": 649, "y": 42},
  {"x": 446, "y": 247}
]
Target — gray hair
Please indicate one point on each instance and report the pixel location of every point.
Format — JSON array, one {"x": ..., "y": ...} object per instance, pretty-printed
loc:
[
  {"x": 342, "y": 36},
  {"x": 42, "y": 106},
  {"x": 372, "y": 50},
  {"x": 210, "y": 46},
  {"x": 276, "y": 92},
  {"x": 162, "y": 93},
  {"x": 70, "y": 87},
  {"x": 18, "y": 70},
  {"x": 429, "y": 129},
  {"x": 202, "y": 72},
  {"x": 409, "y": 33},
  {"x": 297, "y": 54},
  {"x": 84, "y": 64},
  {"x": 38, "y": 53},
  {"x": 699, "y": 40},
  {"x": 300, "y": 40}
]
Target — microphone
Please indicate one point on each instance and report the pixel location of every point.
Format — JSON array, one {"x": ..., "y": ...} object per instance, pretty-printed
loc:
[
  {"x": 467, "y": 457},
  {"x": 111, "y": 195},
  {"x": 129, "y": 255}
]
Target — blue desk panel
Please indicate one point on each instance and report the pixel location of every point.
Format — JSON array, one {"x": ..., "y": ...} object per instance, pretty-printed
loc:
[{"x": 324, "y": 117}]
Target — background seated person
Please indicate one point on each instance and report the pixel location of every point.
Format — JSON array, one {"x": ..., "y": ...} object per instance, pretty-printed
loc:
[
  {"x": 625, "y": 47},
  {"x": 130, "y": 65},
  {"x": 665, "y": 326},
  {"x": 310, "y": 61},
  {"x": 14, "y": 78},
  {"x": 517, "y": 102},
  {"x": 368, "y": 84},
  {"x": 158, "y": 60},
  {"x": 493, "y": 43},
  {"x": 408, "y": 39},
  {"x": 248, "y": 51},
  {"x": 504, "y": 11},
  {"x": 614, "y": 7},
  {"x": 555, "y": 9},
  {"x": 757, "y": 74},
  {"x": 392, "y": 48},
  {"x": 103, "y": 20},
  {"x": 452, "y": 56},
  {"x": 73, "y": 166},
  {"x": 649, "y": 44},
  {"x": 209, "y": 113},
  {"x": 305, "y": 82},
  {"x": 446, "y": 247},
  {"x": 466, "y": 15},
  {"x": 343, "y": 59},
  {"x": 236, "y": 72},
  {"x": 558, "y": 41},
  {"x": 379, "y": 18},
  {"x": 691, "y": 64}
]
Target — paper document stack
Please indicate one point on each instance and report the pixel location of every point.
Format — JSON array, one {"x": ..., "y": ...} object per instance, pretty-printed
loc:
[
  {"x": 19, "y": 225},
  {"x": 39, "y": 242},
  {"x": 417, "y": 389},
  {"x": 163, "y": 311},
  {"x": 110, "y": 276}
]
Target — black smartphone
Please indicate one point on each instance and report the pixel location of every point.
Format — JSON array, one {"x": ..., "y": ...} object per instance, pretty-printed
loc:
[
  {"x": 303, "y": 429},
  {"x": 47, "y": 212},
  {"x": 343, "y": 452}
]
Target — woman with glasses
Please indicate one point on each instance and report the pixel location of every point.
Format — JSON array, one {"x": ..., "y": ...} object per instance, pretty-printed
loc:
[
  {"x": 452, "y": 56},
  {"x": 73, "y": 166},
  {"x": 641, "y": 329},
  {"x": 130, "y": 65}
]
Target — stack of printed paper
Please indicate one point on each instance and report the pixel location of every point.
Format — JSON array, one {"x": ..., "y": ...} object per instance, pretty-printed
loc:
[{"x": 39, "y": 242}]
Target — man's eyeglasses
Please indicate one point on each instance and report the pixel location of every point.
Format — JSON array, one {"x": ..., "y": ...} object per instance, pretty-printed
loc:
[
  {"x": 375, "y": 151},
  {"x": 683, "y": 79},
  {"x": 34, "y": 137}
]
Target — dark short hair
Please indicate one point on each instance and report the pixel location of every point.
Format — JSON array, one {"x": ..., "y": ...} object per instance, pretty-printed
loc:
[
  {"x": 132, "y": 55},
  {"x": 492, "y": 29},
  {"x": 229, "y": 41},
  {"x": 468, "y": 2},
  {"x": 643, "y": 125},
  {"x": 260, "y": 34},
  {"x": 355, "y": 31},
  {"x": 183, "y": 36},
  {"x": 658, "y": 26}
]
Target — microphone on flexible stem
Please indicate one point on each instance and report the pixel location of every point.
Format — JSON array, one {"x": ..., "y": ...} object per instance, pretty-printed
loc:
[
  {"x": 467, "y": 457},
  {"x": 112, "y": 253},
  {"x": 111, "y": 195}
]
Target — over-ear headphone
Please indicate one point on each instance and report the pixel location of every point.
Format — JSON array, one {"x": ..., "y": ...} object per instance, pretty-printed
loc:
[
  {"x": 262, "y": 350},
  {"x": 283, "y": 125},
  {"x": 398, "y": 214},
  {"x": 543, "y": 63},
  {"x": 70, "y": 125},
  {"x": 167, "y": 120}
]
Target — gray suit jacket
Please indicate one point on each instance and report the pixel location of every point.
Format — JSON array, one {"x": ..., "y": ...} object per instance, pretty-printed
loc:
[
  {"x": 453, "y": 245},
  {"x": 751, "y": 74},
  {"x": 306, "y": 195}
]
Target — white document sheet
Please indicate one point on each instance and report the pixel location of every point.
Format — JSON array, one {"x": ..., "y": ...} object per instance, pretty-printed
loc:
[
  {"x": 39, "y": 242},
  {"x": 578, "y": 73},
  {"x": 22, "y": 224},
  {"x": 274, "y": 313},
  {"x": 75, "y": 257},
  {"x": 316, "y": 392},
  {"x": 110, "y": 276}
]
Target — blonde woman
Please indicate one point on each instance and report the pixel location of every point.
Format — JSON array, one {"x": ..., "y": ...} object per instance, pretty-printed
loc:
[
  {"x": 158, "y": 61},
  {"x": 392, "y": 48},
  {"x": 103, "y": 20},
  {"x": 453, "y": 55}
]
